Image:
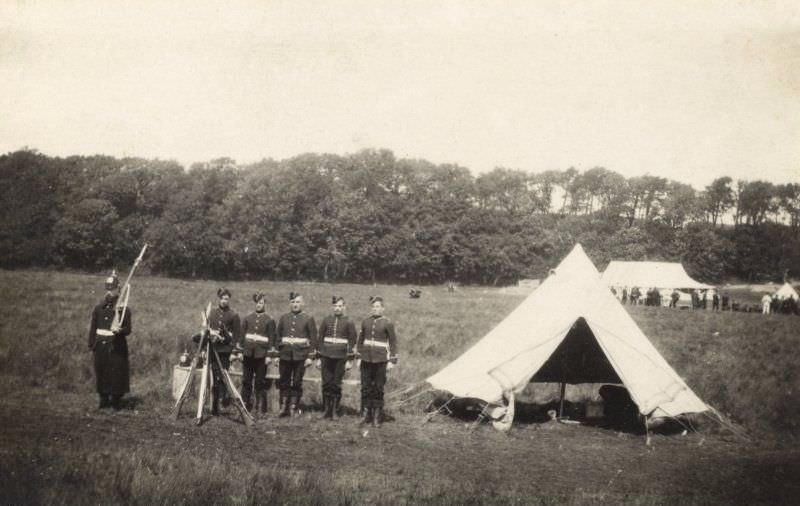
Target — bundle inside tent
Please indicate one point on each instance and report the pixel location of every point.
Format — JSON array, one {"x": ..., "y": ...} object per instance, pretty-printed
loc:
[{"x": 571, "y": 329}]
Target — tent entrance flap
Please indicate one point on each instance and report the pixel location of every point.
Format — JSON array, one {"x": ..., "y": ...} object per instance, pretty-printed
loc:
[{"x": 578, "y": 359}]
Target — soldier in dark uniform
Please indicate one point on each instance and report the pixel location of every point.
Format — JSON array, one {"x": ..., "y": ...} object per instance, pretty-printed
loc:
[
  {"x": 377, "y": 350},
  {"x": 107, "y": 339},
  {"x": 224, "y": 330},
  {"x": 336, "y": 345},
  {"x": 258, "y": 329},
  {"x": 296, "y": 342}
]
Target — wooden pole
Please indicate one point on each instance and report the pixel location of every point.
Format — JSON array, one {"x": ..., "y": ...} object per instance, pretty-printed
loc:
[{"x": 561, "y": 400}]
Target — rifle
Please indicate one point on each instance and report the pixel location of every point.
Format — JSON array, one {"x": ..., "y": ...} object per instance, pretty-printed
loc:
[{"x": 125, "y": 293}]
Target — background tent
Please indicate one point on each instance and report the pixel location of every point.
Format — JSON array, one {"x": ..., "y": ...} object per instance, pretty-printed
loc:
[
  {"x": 650, "y": 274},
  {"x": 787, "y": 291},
  {"x": 572, "y": 330}
]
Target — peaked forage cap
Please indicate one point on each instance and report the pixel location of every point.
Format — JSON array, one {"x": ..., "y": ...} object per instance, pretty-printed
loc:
[{"x": 511, "y": 353}]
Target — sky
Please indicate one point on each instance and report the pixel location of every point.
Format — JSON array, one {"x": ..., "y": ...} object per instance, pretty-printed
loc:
[{"x": 686, "y": 90}]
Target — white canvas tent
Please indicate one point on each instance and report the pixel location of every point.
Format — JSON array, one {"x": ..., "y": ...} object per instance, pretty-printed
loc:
[
  {"x": 571, "y": 330},
  {"x": 650, "y": 274},
  {"x": 787, "y": 291}
]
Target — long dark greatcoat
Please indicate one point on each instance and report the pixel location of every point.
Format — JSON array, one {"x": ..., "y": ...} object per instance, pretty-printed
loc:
[{"x": 110, "y": 352}]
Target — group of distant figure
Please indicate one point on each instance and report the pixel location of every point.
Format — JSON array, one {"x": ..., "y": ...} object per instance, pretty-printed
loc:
[
  {"x": 700, "y": 300},
  {"x": 773, "y": 304}
]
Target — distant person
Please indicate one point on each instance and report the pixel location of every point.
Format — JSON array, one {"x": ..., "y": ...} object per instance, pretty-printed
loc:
[
  {"x": 336, "y": 344},
  {"x": 674, "y": 298},
  {"x": 297, "y": 332},
  {"x": 725, "y": 302},
  {"x": 715, "y": 301},
  {"x": 258, "y": 329},
  {"x": 625, "y": 295},
  {"x": 775, "y": 305},
  {"x": 108, "y": 341},
  {"x": 766, "y": 304},
  {"x": 705, "y": 299},
  {"x": 635, "y": 294},
  {"x": 377, "y": 351},
  {"x": 224, "y": 331},
  {"x": 789, "y": 306}
]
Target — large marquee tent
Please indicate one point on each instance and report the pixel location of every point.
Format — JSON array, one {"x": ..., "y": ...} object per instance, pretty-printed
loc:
[
  {"x": 650, "y": 275},
  {"x": 571, "y": 329},
  {"x": 787, "y": 291}
]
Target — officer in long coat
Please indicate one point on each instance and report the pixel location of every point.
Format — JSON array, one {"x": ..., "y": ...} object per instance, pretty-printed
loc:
[
  {"x": 258, "y": 329},
  {"x": 377, "y": 349},
  {"x": 336, "y": 342},
  {"x": 224, "y": 331},
  {"x": 295, "y": 342},
  {"x": 108, "y": 333}
]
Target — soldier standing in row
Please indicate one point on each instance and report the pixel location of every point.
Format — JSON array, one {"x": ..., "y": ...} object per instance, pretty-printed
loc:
[
  {"x": 258, "y": 329},
  {"x": 224, "y": 330},
  {"x": 108, "y": 331},
  {"x": 297, "y": 332},
  {"x": 336, "y": 349},
  {"x": 377, "y": 349}
]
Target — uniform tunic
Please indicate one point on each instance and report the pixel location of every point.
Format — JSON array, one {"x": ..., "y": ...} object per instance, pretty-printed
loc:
[
  {"x": 337, "y": 337},
  {"x": 110, "y": 350},
  {"x": 377, "y": 342},
  {"x": 296, "y": 340},
  {"x": 296, "y": 336},
  {"x": 377, "y": 345},
  {"x": 336, "y": 344},
  {"x": 226, "y": 323},
  {"x": 258, "y": 330}
]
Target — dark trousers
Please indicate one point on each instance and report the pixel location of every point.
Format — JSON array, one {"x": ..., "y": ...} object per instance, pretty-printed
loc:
[
  {"x": 254, "y": 368},
  {"x": 291, "y": 373},
  {"x": 373, "y": 379},
  {"x": 332, "y": 374},
  {"x": 217, "y": 383}
]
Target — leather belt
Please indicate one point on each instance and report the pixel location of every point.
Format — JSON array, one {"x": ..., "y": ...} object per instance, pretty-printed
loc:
[
  {"x": 372, "y": 342},
  {"x": 335, "y": 340},
  {"x": 294, "y": 340},
  {"x": 256, "y": 338}
]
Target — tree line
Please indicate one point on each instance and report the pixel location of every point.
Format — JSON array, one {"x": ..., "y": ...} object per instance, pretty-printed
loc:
[{"x": 370, "y": 216}]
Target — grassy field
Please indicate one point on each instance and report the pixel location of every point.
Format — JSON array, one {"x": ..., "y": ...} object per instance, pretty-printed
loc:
[{"x": 58, "y": 449}]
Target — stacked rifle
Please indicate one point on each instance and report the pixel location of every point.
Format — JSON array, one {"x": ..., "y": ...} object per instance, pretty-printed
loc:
[{"x": 207, "y": 349}]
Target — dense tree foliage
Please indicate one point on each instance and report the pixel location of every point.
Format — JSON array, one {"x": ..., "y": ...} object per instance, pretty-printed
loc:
[{"x": 370, "y": 216}]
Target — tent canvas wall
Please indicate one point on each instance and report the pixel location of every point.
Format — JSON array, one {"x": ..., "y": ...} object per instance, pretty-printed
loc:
[
  {"x": 573, "y": 330},
  {"x": 650, "y": 274},
  {"x": 786, "y": 291}
]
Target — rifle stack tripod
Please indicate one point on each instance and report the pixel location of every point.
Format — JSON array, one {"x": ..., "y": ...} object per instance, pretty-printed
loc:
[{"x": 206, "y": 379}]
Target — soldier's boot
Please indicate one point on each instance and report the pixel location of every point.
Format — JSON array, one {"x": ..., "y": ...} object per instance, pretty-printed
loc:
[
  {"x": 329, "y": 408},
  {"x": 335, "y": 407},
  {"x": 294, "y": 402},
  {"x": 116, "y": 402},
  {"x": 105, "y": 401},
  {"x": 284, "y": 406},
  {"x": 366, "y": 416},
  {"x": 226, "y": 399},
  {"x": 377, "y": 417},
  {"x": 262, "y": 398},
  {"x": 326, "y": 402}
]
